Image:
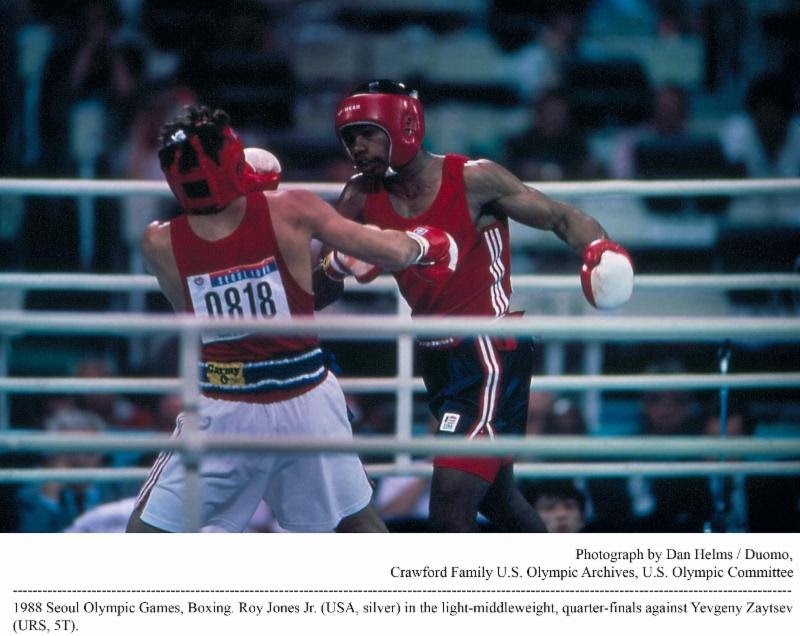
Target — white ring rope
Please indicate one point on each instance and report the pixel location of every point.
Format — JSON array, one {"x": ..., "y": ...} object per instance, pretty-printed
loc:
[
  {"x": 561, "y": 470},
  {"x": 554, "y": 446},
  {"x": 539, "y": 470},
  {"x": 627, "y": 382},
  {"x": 532, "y": 282},
  {"x": 381, "y": 327},
  {"x": 685, "y": 187}
]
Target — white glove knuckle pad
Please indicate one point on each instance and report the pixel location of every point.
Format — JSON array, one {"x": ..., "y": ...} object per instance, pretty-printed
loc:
[
  {"x": 612, "y": 280},
  {"x": 424, "y": 246},
  {"x": 262, "y": 160},
  {"x": 453, "y": 263}
]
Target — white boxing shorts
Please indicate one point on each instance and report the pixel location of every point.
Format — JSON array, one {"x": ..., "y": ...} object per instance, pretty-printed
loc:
[{"x": 307, "y": 492}]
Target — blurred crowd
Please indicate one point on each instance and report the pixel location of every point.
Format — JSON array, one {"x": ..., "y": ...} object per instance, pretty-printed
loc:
[
  {"x": 589, "y": 90},
  {"x": 592, "y": 89}
]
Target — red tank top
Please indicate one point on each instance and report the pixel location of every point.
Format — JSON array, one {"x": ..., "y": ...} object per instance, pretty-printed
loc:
[
  {"x": 481, "y": 284},
  {"x": 243, "y": 275}
]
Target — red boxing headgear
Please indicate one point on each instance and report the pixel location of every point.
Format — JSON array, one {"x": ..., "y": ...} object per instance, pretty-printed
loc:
[
  {"x": 208, "y": 184},
  {"x": 393, "y": 108}
]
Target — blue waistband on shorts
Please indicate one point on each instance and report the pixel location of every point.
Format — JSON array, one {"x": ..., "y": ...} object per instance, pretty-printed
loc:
[{"x": 275, "y": 374}]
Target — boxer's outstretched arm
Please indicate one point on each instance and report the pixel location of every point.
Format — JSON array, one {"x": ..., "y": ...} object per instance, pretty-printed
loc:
[
  {"x": 607, "y": 272},
  {"x": 494, "y": 190},
  {"x": 389, "y": 249}
]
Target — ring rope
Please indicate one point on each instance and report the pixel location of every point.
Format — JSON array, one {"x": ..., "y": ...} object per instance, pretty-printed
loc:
[
  {"x": 685, "y": 187},
  {"x": 644, "y": 282},
  {"x": 539, "y": 470},
  {"x": 561, "y": 470},
  {"x": 632, "y": 382},
  {"x": 380, "y": 327},
  {"x": 555, "y": 446}
]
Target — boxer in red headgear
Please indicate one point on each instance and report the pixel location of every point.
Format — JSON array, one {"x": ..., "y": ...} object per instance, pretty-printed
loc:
[
  {"x": 478, "y": 386},
  {"x": 239, "y": 252},
  {"x": 205, "y": 176},
  {"x": 394, "y": 109}
]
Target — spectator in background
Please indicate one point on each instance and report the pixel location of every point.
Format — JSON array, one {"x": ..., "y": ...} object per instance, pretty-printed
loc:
[
  {"x": 669, "y": 413},
  {"x": 119, "y": 412},
  {"x": 669, "y": 119},
  {"x": 764, "y": 141},
  {"x": 168, "y": 408},
  {"x": 539, "y": 407},
  {"x": 88, "y": 86},
  {"x": 51, "y": 506},
  {"x": 94, "y": 79},
  {"x": 552, "y": 149},
  {"x": 766, "y": 138},
  {"x": 245, "y": 68},
  {"x": 643, "y": 504},
  {"x": 559, "y": 503},
  {"x": 754, "y": 503},
  {"x": 738, "y": 421},
  {"x": 564, "y": 418},
  {"x": 101, "y": 64},
  {"x": 539, "y": 65},
  {"x": 670, "y": 504}
]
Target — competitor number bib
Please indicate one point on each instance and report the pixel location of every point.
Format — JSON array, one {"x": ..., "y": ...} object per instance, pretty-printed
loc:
[{"x": 245, "y": 291}]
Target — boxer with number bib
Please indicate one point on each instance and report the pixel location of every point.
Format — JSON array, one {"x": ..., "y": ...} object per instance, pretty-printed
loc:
[
  {"x": 479, "y": 386},
  {"x": 242, "y": 250}
]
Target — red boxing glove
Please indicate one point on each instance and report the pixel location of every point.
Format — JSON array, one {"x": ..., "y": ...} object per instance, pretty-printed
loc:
[
  {"x": 262, "y": 170},
  {"x": 607, "y": 274},
  {"x": 438, "y": 253},
  {"x": 338, "y": 266}
]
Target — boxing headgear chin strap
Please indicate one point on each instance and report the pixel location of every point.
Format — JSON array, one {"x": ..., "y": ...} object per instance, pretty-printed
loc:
[
  {"x": 400, "y": 116},
  {"x": 208, "y": 185}
]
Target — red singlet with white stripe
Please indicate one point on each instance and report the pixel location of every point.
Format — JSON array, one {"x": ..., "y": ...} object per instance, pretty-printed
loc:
[
  {"x": 241, "y": 275},
  {"x": 481, "y": 284}
]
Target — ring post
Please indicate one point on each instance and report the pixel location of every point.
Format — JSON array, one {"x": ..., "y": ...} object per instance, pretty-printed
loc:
[
  {"x": 192, "y": 452},
  {"x": 405, "y": 379},
  {"x": 719, "y": 521}
]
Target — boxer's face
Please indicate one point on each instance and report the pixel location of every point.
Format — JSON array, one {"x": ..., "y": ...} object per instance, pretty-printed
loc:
[{"x": 369, "y": 147}]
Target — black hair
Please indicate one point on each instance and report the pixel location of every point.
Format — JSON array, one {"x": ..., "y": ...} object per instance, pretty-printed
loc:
[
  {"x": 194, "y": 121},
  {"x": 561, "y": 489}
]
